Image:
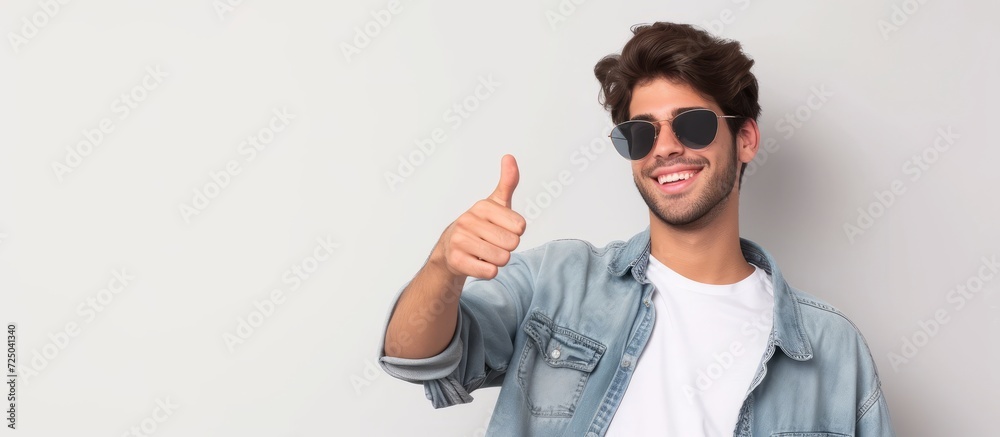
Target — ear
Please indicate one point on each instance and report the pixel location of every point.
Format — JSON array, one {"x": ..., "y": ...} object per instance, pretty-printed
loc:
[{"x": 747, "y": 140}]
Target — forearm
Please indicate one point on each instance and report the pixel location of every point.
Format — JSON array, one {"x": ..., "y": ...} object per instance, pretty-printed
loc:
[{"x": 423, "y": 322}]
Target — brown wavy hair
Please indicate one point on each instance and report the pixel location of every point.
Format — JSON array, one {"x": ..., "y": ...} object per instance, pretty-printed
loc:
[{"x": 715, "y": 67}]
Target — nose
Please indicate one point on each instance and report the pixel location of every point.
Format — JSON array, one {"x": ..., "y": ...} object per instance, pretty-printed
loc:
[{"x": 666, "y": 144}]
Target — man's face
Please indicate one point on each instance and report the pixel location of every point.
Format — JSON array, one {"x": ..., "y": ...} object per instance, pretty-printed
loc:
[{"x": 702, "y": 196}]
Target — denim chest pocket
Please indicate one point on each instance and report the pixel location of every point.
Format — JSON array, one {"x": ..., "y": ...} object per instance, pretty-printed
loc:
[{"x": 555, "y": 366}]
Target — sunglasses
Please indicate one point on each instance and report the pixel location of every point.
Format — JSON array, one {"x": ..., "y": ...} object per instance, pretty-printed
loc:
[{"x": 694, "y": 128}]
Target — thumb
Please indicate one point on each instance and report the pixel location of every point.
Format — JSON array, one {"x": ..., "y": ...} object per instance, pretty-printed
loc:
[{"x": 509, "y": 176}]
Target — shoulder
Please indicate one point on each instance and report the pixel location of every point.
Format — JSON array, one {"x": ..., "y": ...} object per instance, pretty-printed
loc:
[
  {"x": 821, "y": 315},
  {"x": 832, "y": 335}
]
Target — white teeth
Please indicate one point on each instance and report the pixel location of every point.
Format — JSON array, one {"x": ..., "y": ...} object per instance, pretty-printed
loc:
[{"x": 673, "y": 177}]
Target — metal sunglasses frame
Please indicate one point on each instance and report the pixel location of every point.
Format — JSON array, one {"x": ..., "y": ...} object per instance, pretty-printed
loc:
[{"x": 656, "y": 126}]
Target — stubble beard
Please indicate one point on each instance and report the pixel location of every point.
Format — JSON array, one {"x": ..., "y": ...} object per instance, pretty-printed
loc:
[{"x": 683, "y": 211}]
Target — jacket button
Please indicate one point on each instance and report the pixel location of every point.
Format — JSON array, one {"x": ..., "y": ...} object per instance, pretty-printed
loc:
[{"x": 555, "y": 354}]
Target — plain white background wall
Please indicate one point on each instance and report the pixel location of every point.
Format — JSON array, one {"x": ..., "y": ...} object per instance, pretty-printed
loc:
[{"x": 312, "y": 214}]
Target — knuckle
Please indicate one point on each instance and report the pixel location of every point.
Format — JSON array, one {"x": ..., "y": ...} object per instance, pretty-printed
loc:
[
  {"x": 464, "y": 220},
  {"x": 463, "y": 242},
  {"x": 504, "y": 258},
  {"x": 490, "y": 271},
  {"x": 458, "y": 238},
  {"x": 520, "y": 223},
  {"x": 453, "y": 258}
]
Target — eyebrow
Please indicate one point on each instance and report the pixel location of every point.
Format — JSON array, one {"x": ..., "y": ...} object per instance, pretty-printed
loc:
[{"x": 649, "y": 117}]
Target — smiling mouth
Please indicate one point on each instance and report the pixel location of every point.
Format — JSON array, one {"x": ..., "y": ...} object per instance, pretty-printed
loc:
[
  {"x": 677, "y": 183},
  {"x": 676, "y": 177}
]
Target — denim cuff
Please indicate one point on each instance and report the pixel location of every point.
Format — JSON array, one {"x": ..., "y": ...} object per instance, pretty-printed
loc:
[{"x": 445, "y": 392}]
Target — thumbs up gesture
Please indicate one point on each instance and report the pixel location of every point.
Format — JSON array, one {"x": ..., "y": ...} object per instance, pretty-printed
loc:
[{"x": 481, "y": 240}]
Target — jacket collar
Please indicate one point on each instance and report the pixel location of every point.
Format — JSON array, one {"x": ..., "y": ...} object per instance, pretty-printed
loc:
[{"x": 788, "y": 331}]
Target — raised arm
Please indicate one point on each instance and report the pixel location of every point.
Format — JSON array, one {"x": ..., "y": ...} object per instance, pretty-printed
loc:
[{"x": 477, "y": 244}]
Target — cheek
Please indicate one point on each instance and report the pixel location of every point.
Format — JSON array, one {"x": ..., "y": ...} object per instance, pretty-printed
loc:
[{"x": 636, "y": 169}]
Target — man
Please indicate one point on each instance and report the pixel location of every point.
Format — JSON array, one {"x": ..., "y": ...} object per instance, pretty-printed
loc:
[{"x": 685, "y": 329}]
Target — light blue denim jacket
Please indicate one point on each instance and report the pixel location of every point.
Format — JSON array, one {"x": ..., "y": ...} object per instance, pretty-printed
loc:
[{"x": 560, "y": 327}]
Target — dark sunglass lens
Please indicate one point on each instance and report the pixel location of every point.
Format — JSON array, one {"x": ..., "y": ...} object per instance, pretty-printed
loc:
[
  {"x": 697, "y": 128},
  {"x": 633, "y": 139}
]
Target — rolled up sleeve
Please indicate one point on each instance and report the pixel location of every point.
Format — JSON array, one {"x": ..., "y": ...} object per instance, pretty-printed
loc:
[{"x": 490, "y": 312}]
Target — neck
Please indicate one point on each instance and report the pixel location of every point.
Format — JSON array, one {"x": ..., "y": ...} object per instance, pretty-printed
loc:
[{"x": 707, "y": 252}]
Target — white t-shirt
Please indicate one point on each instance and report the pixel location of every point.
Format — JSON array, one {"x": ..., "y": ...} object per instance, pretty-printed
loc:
[{"x": 703, "y": 352}]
